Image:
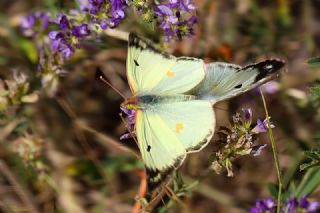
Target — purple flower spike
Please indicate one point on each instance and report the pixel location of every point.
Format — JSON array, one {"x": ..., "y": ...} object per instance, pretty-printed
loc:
[
  {"x": 115, "y": 13},
  {"x": 175, "y": 18}
]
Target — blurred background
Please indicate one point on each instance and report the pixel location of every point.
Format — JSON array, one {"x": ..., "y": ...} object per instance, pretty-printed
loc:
[{"x": 59, "y": 140}]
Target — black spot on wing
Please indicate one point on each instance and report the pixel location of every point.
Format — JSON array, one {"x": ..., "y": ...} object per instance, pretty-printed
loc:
[
  {"x": 148, "y": 148},
  {"x": 238, "y": 86},
  {"x": 139, "y": 43},
  {"x": 265, "y": 68},
  {"x": 136, "y": 62}
]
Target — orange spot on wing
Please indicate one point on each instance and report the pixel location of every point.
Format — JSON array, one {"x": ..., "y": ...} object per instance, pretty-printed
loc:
[
  {"x": 179, "y": 127},
  {"x": 170, "y": 73}
]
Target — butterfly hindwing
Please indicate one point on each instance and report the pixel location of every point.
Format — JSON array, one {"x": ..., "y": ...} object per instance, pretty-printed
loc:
[
  {"x": 150, "y": 71},
  {"x": 168, "y": 131},
  {"x": 224, "y": 81}
]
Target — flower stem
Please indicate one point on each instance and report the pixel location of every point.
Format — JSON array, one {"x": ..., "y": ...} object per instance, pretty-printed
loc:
[{"x": 275, "y": 154}]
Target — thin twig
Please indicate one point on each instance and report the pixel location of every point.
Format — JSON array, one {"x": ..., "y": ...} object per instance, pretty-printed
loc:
[
  {"x": 142, "y": 192},
  {"x": 274, "y": 151},
  {"x": 157, "y": 197},
  {"x": 106, "y": 140},
  {"x": 81, "y": 137},
  {"x": 23, "y": 194},
  {"x": 174, "y": 197}
]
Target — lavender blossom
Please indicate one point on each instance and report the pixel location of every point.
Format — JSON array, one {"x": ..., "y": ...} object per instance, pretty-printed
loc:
[
  {"x": 80, "y": 31},
  {"x": 106, "y": 13},
  {"x": 34, "y": 23},
  {"x": 264, "y": 205},
  {"x": 238, "y": 140},
  {"x": 262, "y": 126},
  {"x": 171, "y": 20},
  {"x": 131, "y": 115},
  {"x": 66, "y": 40},
  {"x": 270, "y": 87},
  {"x": 292, "y": 205}
]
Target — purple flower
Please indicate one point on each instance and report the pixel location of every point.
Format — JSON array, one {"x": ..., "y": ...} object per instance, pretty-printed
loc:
[
  {"x": 27, "y": 21},
  {"x": 248, "y": 116},
  {"x": 310, "y": 207},
  {"x": 63, "y": 22},
  {"x": 292, "y": 205},
  {"x": 80, "y": 31},
  {"x": 131, "y": 115},
  {"x": 172, "y": 18},
  {"x": 186, "y": 5},
  {"x": 238, "y": 140},
  {"x": 66, "y": 40},
  {"x": 108, "y": 14},
  {"x": 94, "y": 6},
  {"x": 263, "y": 205},
  {"x": 262, "y": 126},
  {"x": 34, "y": 23},
  {"x": 116, "y": 14},
  {"x": 270, "y": 87}
]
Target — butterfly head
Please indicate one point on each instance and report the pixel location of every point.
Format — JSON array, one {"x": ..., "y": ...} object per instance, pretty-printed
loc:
[{"x": 131, "y": 103}]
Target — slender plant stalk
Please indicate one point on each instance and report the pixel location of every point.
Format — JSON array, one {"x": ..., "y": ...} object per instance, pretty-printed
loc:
[
  {"x": 275, "y": 153},
  {"x": 22, "y": 193}
]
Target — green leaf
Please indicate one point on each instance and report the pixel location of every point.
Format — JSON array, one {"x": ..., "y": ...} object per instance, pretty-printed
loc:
[
  {"x": 29, "y": 49},
  {"x": 314, "y": 159},
  {"x": 310, "y": 182},
  {"x": 3, "y": 60},
  {"x": 315, "y": 95},
  {"x": 314, "y": 62},
  {"x": 273, "y": 190}
]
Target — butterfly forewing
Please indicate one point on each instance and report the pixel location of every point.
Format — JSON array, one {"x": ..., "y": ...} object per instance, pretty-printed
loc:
[{"x": 150, "y": 71}]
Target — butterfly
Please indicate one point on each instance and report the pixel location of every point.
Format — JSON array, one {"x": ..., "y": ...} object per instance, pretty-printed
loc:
[{"x": 172, "y": 101}]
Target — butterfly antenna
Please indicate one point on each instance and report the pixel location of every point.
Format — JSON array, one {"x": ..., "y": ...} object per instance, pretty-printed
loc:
[{"x": 115, "y": 89}]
